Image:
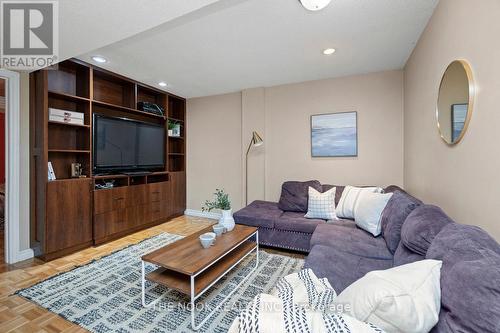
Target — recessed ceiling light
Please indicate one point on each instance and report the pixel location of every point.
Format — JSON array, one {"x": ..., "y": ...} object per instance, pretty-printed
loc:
[
  {"x": 99, "y": 59},
  {"x": 328, "y": 51},
  {"x": 314, "y": 5},
  {"x": 162, "y": 84}
]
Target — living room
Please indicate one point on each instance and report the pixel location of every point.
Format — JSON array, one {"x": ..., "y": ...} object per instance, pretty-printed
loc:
[{"x": 251, "y": 166}]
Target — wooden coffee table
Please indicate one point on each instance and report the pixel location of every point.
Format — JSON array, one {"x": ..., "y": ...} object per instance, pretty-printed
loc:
[{"x": 190, "y": 269}]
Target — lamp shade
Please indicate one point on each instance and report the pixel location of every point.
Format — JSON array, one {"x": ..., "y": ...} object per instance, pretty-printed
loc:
[{"x": 256, "y": 139}]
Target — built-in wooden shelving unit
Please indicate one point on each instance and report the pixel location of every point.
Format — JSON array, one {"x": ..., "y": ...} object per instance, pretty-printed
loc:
[{"x": 63, "y": 217}]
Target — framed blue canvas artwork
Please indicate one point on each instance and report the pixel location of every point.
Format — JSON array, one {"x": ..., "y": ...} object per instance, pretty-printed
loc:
[{"x": 334, "y": 134}]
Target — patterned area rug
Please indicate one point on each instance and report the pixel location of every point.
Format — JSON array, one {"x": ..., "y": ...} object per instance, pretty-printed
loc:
[{"x": 105, "y": 295}]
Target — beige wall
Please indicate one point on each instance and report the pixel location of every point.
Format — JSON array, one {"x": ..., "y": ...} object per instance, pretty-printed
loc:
[
  {"x": 214, "y": 146},
  {"x": 221, "y": 126},
  {"x": 464, "y": 180},
  {"x": 378, "y": 100}
]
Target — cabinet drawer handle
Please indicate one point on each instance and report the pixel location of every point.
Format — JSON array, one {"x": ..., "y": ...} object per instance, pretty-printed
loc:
[
  {"x": 118, "y": 199},
  {"x": 157, "y": 192}
]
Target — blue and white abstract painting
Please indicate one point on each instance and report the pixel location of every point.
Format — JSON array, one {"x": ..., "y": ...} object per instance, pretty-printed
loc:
[{"x": 334, "y": 135}]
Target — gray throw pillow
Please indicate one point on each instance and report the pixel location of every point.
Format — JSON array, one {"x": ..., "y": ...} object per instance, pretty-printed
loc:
[{"x": 294, "y": 195}]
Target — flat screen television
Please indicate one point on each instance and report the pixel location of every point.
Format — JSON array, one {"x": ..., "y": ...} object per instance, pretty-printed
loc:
[{"x": 126, "y": 145}]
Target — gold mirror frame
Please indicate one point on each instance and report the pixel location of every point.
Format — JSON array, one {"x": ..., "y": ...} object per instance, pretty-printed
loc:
[{"x": 468, "y": 70}]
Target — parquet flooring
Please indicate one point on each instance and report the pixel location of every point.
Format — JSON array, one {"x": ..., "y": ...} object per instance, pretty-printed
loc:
[{"x": 18, "y": 315}]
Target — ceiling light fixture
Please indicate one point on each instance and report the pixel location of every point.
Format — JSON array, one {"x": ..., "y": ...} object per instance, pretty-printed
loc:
[
  {"x": 328, "y": 51},
  {"x": 99, "y": 59},
  {"x": 314, "y": 5},
  {"x": 162, "y": 84}
]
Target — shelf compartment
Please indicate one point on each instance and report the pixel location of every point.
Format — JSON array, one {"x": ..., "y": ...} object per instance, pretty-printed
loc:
[
  {"x": 157, "y": 178},
  {"x": 69, "y": 78},
  {"x": 175, "y": 146},
  {"x": 137, "y": 180},
  {"x": 64, "y": 137},
  {"x": 61, "y": 102},
  {"x": 175, "y": 163},
  {"x": 118, "y": 181},
  {"x": 126, "y": 110},
  {"x": 176, "y": 108},
  {"x": 112, "y": 89},
  {"x": 61, "y": 162},
  {"x": 67, "y": 96},
  {"x": 146, "y": 94},
  {"x": 176, "y": 120}
]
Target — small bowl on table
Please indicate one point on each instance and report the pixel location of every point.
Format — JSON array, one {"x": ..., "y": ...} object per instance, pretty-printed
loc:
[
  {"x": 219, "y": 229},
  {"x": 207, "y": 239}
]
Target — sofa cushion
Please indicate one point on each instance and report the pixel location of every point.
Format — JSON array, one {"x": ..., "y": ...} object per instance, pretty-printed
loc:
[
  {"x": 258, "y": 214},
  {"x": 395, "y": 213},
  {"x": 294, "y": 195},
  {"x": 355, "y": 241},
  {"x": 343, "y": 223},
  {"x": 338, "y": 192},
  {"x": 295, "y": 221},
  {"x": 470, "y": 279},
  {"x": 421, "y": 226},
  {"x": 340, "y": 268},
  {"x": 404, "y": 255}
]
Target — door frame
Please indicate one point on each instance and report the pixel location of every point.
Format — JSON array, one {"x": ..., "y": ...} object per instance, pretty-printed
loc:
[{"x": 13, "y": 253}]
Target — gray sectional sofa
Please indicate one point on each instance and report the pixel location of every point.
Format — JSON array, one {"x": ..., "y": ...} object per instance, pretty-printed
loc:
[{"x": 411, "y": 231}]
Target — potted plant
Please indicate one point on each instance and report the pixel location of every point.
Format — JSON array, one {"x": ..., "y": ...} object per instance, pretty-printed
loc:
[
  {"x": 223, "y": 203},
  {"x": 174, "y": 129}
]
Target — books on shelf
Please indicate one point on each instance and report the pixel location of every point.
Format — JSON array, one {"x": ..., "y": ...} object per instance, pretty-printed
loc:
[{"x": 52, "y": 174}]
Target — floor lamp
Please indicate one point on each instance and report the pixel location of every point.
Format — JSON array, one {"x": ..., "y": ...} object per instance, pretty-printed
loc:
[{"x": 255, "y": 142}]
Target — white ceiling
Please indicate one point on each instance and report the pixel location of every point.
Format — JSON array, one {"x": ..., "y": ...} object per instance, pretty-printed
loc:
[
  {"x": 85, "y": 25},
  {"x": 239, "y": 44}
]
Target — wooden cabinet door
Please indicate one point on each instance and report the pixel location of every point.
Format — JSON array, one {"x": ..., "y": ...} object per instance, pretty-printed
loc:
[
  {"x": 178, "y": 192},
  {"x": 69, "y": 214}
]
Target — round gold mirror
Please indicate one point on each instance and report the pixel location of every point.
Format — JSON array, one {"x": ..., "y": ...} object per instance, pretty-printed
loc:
[{"x": 455, "y": 102}]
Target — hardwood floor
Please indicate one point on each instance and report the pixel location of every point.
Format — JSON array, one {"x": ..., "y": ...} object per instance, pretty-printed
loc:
[{"x": 19, "y": 315}]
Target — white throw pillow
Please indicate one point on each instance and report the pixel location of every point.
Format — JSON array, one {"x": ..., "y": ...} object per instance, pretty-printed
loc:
[
  {"x": 349, "y": 199},
  {"x": 321, "y": 205},
  {"x": 406, "y": 298},
  {"x": 368, "y": 211}
]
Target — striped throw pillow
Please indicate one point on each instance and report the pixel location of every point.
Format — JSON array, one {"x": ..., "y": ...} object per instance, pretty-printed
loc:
[
  {"x": 349, "y": 200},
  {"x": 321, "y": 205}
]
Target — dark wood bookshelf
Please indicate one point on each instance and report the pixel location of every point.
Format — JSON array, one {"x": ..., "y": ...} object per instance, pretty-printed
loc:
[{"x": 68, "y": 213}]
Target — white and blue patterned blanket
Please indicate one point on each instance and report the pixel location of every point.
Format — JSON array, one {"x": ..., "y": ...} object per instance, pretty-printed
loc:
[{"x": 300, "y": 303}]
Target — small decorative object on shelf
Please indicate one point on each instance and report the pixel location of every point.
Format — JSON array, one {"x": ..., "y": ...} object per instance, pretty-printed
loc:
[
  {"x": 76, "y": 170},
  {"x": 52, "y": 174},
  {"x": 67, "y": 117},
  {"x": 174, "y": 128},
  {"x": 150, "y": 108},
  {"x": 223, "y": 203},
  {"x": 105, "y": 185}
]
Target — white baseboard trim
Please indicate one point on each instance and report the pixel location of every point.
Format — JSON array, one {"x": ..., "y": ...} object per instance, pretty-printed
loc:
[
  {"x": 25, "y": 254},
  {"x": 199, "y": 213}
]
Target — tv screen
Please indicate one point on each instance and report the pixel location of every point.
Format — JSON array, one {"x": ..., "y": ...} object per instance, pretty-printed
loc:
[{"x": 127, "y": 145}]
